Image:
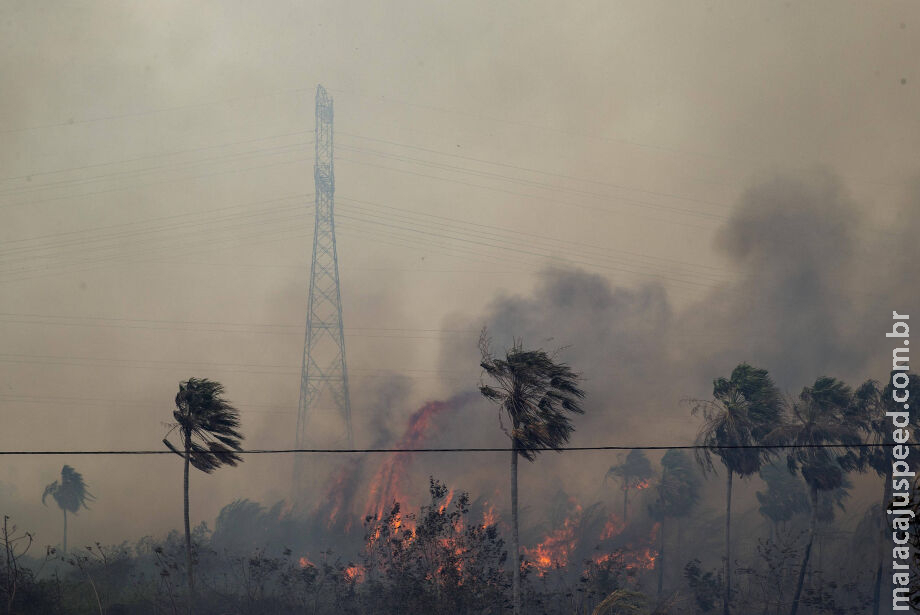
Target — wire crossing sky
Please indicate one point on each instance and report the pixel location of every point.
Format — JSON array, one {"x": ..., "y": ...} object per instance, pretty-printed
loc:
[{"x": 472, "y": 449}]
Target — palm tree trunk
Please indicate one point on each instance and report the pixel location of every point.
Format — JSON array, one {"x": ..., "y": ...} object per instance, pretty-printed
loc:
[
  {"x": 188, "y": 531},
  {"x": 515, "y": 541},
  {"x": 877, "y": 592},
  {"x": 728, "y": 545},
  {"x": 811, "y": 538},
  {"x": 660, "y": 557},
  {"x": 64, "y": 545}
]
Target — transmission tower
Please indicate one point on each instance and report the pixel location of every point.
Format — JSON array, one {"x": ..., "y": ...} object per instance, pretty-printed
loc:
[{"x": 324, "y": 412}]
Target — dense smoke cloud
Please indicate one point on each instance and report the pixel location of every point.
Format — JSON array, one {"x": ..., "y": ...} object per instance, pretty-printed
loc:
[
  {"x": 799, "y": 306},
  {"x": 637, "y": 127}
]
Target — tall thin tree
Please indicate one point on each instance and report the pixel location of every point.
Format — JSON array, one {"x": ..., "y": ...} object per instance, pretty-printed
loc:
[
  {"x": 70, "y": 494},
  {"x": 537, "y": 395},
  {"x": 634, "y": 473},
  {"x": 822, "y": 444},
  {"x": 744, "y": 408},
  {"x": 677, "y": 495},
  {"x": 208, "y": 427},
  {"x": 872, "y": 402},
  {"x": 784, "y": 497}
]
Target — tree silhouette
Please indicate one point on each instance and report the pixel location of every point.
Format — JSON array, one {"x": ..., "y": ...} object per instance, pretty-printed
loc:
[
  {"x": 634, "y": 472},
  {"x": 817, "y": 419},
  {"x": 208, "y": 429},
  {"x": 537, "y": 395},
  {"x": 784, "y": 498},
  {"x": 677, "y": 495},
  {"x": 745, "y": 407},
  {"x": 70, "y": 494},
  {"x": 872, "y": 402}
]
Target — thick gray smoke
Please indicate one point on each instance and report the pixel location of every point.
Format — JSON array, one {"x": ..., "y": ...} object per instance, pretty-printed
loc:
[{"x": 803, "y": 304}]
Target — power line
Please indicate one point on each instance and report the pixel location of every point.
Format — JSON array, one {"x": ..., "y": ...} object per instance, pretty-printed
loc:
[
  {"x": 163, "y": 181},
  {"x": 149, "y": 156},
  {"x": 173, "y": 165},
  {"x": 433, "y": 228},
  {"x": 585, "y": 136},
  {"x": 483, "y": 449},
  {"x": 555, "y": 202},
  {"x": 152, "y": 111},
  {"x": 529, "y": 182},
  {"x": 529, "y": 169},
  {"x": 471, "y": 232},
  {"x": 670, "y": 261},
  {"x": 533, "y": 251}
]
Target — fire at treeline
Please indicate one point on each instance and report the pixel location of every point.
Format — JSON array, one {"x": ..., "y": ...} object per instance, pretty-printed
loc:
[{"x": 649, "y": 542}]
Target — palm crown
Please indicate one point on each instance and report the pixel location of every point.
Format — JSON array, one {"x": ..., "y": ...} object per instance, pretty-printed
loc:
[
  {"x": 208, "y": 425},
  {"x": 70, "y": 493},
  {"x": 678, "y": 491},
  {"x": 870, "y": 403},
  {"x": 536, "y": 395},
  {"x": 634, "y": 471},
  {"x": 816, "y": 422},
  {"x": 745, "y": 407}
]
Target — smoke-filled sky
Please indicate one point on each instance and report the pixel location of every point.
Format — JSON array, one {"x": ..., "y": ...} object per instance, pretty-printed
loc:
[{"x": 663, "y": 189}]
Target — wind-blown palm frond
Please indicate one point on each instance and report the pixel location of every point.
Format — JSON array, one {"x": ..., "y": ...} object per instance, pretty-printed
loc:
[
  {"x": 869, "y": 414},
  {"x": 70, "y": 492},
  {"x": 635, "y": 470},
  {"x": 622, "y": 602},
  {"x": 678, "y": 490},
  {"x": 208, "y": 424},
  {"x": 871, "y": 402},
  {"x": 745, "y": 407},
  {"x": 818, "y": 418},
  {"x": 209, "y": 427},
  {"x": 535, "y": 393}
]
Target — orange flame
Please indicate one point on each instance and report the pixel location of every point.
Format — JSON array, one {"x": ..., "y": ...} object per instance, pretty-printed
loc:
[
  {"x": 304, "y": 562},
  {"x": 335, "y": 500},
  {"x": 354, "y": 574},
  {"x": 613, "y": 527},
  {"x": 488, "y": 516},
  {"x": 386, "y": 486},
  {"x": 446, "y": 502},
  {"x": 555, "y": 550},
  {"x": 634, "y": 557}
]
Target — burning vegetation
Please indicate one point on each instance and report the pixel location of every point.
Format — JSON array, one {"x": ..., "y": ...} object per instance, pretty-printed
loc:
[{"x": 374, "y": 549}]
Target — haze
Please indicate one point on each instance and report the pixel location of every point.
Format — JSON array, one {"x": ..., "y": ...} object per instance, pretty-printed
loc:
[{"x": 664, "y": 189}]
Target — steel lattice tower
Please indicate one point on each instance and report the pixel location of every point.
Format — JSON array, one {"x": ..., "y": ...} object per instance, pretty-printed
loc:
[{"x": 324, "y": 412}]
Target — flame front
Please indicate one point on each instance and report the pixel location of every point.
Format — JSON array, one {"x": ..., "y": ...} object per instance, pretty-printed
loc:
[
  {"x": 554, "y": 551},
  {"x": 387, "y": 484}
]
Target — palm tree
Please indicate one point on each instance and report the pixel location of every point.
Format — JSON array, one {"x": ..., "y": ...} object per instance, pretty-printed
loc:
[
  {"x": 871, "y": 404},
  {"x": 817, "y": 421},
  {"x": 743, "y": 409},
  {"x": 207, "y": 426},
  {"x": 677, "y": 494},
  {"x": 634, "y": 472},
  {"x": 537, "y": 395},
  {"x": 70, "y": 494}
]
